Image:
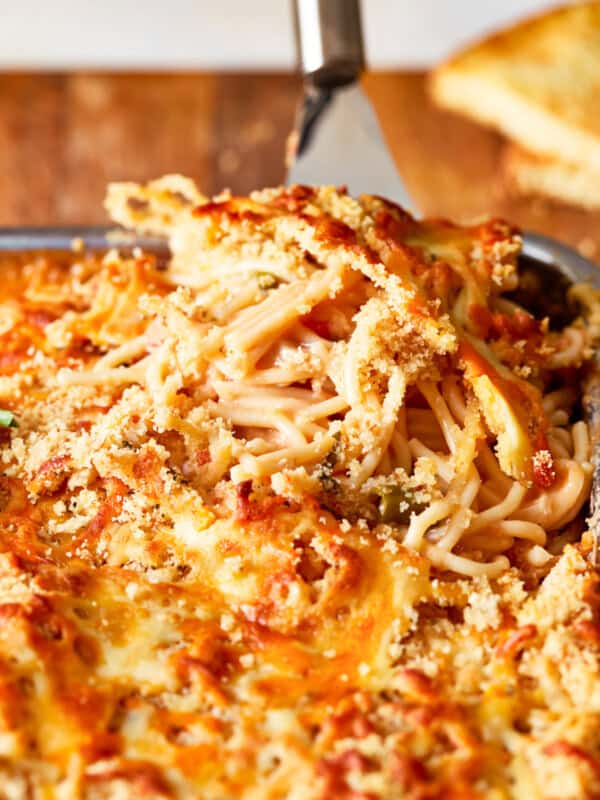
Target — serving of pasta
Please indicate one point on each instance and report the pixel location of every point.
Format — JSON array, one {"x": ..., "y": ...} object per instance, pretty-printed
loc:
[{"x": 296, "y": 512}]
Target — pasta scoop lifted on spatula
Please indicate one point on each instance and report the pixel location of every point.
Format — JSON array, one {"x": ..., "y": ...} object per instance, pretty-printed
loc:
[{"x": 338, "y": 141}]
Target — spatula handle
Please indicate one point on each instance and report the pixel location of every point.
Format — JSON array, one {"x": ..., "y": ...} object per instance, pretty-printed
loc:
[{"x": 329, "y": 41}]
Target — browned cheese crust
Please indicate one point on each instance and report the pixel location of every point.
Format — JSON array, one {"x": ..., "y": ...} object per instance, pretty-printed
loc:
[{"x": 203, "y": 591}]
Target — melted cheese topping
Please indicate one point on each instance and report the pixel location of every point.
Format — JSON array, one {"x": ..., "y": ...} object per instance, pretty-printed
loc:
[{"x": 253, "y": 514}]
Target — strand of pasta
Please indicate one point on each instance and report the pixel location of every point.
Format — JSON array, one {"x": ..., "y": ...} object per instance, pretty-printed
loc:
[
  {"x": 556, "y": 444},
  {"x": 126, "y": 352},
  {"x": 581, "y": 443},
  {"x": 278, "y": 310},
  {"x": 459, "y": 522},
  {"x": 445, "y": 420},
  {"x": 501, "y": 510},
  {"x": 558, "y": 400},
  {"x": 442, "y": 463},
  {"x": 388, "y": 419},
  {"x": 325, "y": 408},
  {"x": 277, "y": 460},
  {"x": 259, "y": 418},
  {"x": 488, "y": 463},
  {"x": 276, "y": 402},
  {"x": 554, "y": 507},
  {"x": 112, "y": 376},
  {"x": 280, "y": 376},
  {"x": 401, "y": 455},
  {"x": 292, "y": 396},
  {"x": 570, "y": 352},
  {"x": 519, "y": 529},
  {"x": 455, "y": 399},
  {"x": 489, "y": 494},
  {"x": 420, "y": 523},
  {"x": 466, "y": 566}
]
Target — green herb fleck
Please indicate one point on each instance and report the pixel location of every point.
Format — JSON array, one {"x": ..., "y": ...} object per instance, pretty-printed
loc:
[
  {"x": 7, "y": 419},
  {"x": 396, "y": 505},
  {"x": 324, "y": 471}
]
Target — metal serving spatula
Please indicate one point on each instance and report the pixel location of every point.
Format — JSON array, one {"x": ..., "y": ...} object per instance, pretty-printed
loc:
[{"x": 338, "y": 141}]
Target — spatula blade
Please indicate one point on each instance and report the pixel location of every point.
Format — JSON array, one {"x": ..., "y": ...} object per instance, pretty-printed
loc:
[{"x": 339, "y": 142}]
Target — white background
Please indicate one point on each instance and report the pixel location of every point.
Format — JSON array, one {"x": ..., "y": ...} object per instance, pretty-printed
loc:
[{"x": 228, "y": 34}]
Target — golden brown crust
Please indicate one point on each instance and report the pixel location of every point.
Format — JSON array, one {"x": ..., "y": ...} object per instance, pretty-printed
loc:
[{"x": 167, "y": 632}]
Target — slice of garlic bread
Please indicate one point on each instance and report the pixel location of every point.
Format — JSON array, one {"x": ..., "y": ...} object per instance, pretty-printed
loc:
[
  {"x": 533, "y": 174},
  {"x": 538, "y": 82}
]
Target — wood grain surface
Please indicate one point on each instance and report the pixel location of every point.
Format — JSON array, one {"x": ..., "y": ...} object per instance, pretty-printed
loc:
[{"x": 63, "y": 137}]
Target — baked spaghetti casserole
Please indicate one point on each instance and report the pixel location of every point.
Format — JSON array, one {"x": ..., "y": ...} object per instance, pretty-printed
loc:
[{"x": 298, "y": 515}]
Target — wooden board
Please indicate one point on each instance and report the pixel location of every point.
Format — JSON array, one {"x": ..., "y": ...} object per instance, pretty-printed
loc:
[{"x": 63, "y": 137}]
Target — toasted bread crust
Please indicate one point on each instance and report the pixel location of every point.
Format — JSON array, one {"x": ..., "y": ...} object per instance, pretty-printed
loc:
[
  {"x": 537, "y": 82},
  {"x": 541, "y": 175}
]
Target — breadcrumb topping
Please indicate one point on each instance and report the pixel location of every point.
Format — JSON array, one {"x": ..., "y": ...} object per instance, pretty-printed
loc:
[{"x": 287, "y": 518}]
